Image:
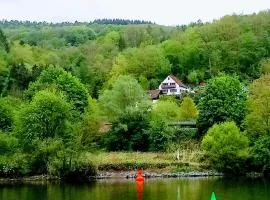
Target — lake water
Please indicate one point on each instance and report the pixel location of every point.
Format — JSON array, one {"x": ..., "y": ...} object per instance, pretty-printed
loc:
[{"x": 151, "y": 189}]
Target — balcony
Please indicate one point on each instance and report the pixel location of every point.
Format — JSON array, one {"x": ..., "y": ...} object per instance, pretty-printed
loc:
[{"x": 168, "y": 86}]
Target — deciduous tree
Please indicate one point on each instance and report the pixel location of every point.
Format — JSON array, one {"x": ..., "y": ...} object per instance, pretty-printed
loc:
[
  {"x": 223, "y": 99},
  {"x": 45, "y": 117},
  {"x": 258, "y": 118},
  {"x": 188, "y": 109},
  {"x": 63, "y": 81},
  {"x": 126, "y": 92}
]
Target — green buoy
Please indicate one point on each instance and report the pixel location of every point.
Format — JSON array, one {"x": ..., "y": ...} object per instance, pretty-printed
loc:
[{"x": 213, "y": 196}]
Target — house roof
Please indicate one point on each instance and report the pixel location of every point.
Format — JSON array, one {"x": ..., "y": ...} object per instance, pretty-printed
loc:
[
  {"x": 154, "y": 94},
  {"x": 178, "y": 81}
]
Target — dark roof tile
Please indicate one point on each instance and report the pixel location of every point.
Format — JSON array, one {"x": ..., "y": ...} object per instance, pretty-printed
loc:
[
  {"x": 178, "y": 81},
  {"x": 154, "y": 94}
]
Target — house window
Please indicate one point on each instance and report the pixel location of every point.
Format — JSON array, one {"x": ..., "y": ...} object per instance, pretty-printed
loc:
[
  {"x": 172, "y": 83},
  {"x": 164, "y": 83},
  {"x": 164, "y": 91},
  {"x": 173, "y": 90}
]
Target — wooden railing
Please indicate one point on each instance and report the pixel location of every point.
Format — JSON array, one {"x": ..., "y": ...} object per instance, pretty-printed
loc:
[{"x": 168, "y": 86}]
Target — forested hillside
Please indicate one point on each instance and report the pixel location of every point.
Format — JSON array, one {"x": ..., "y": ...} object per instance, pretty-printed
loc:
[
  {"x": 62, "y": 84},
  {"x": 97, "y": 54}
]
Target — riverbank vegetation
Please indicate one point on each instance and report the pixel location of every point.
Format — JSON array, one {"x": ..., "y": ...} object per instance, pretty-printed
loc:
[
  {"x": 150, "y": 161},
  {"x": 73, "y": 94}
]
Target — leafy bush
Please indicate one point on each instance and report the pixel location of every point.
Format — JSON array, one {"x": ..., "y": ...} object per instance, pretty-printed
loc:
[
  {"x": 88, "y": 129},
  {"x": 127, "y": 107},
  {"x": 45, "y": 117},
  {"x": 226, "y": 147},
  {"x": 20, "y": 77},
  {"x": 265, "y": 66},
  {"x": 258, "y": 117},
  {"x": 44, "y": 153},
  {"x": 44, "y": 132},
  {"x": 8, "y": 143},
  {"x": 166, "y": 109},
  {"x": 14, "y": 165},
  {"x": 6, "y": 115},
  {"x": 79, "y": 170},
  {"x": 71, "y": 166},
  {"x": 4, "y": 41},
  {"x": 4, "y": 75},
  {"x": 132, "y": 166},
  {"x": 185, "y": 133},
  {"x": 161, "y": 135},
  {"x": 9, "y": 106},
  {"x": 261, "y": 154},
  {"x": 130, "y": 131},
  {"x": 188, "y": 109}
]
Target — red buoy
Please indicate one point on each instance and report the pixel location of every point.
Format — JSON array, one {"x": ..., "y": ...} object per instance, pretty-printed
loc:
[{"x": 139, "y": 175}]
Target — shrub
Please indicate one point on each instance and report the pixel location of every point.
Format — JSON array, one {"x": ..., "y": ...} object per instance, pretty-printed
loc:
[
  {"x": 79, "y": 170},
  {"x": 161, "y": 135},
  {"x": 258, "y": 117},
  {"x": 45, "y": 117},
  {"x": 166, "y": 109},
  {"x": 71, "y": 166},
  {"x": 130, "y": 131},
  {"x": 188, "y": 109},
  {"x": 185, "y": 133},
  {"x": 261, "y": 154},
  {"x": 9, "y": 106},
  {"x": 226, "y": 147},
  {"x": 14, "y": 165},
  {"x": 115, "y": 140},
  {"x": 45, "y": 152},
  {"x": 8, "y": 143},
  {"x": 88, "y": 129},
  {"x": 6, "y": 115}
]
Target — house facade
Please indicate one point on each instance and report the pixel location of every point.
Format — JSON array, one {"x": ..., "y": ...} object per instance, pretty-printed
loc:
[{"x": 172, "y": 86}]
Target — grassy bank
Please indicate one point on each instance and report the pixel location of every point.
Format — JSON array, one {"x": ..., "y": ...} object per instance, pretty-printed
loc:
[{"x": 125, "y": 161}]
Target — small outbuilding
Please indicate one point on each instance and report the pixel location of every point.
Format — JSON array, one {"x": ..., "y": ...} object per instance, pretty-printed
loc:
[{"x": 154, "y": 94}]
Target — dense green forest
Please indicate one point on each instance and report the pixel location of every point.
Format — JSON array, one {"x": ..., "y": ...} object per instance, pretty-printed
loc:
[{"x": 62, "y": 85}]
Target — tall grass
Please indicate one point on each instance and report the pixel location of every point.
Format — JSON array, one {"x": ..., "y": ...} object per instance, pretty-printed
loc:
[{"x": 189, "y": 156}]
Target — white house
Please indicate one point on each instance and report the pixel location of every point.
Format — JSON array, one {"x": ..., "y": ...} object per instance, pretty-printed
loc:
[{"x": 172, "y": 86}]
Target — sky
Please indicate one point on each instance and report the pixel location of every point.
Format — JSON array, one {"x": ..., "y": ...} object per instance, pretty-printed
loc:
[{"x": 165, "y": 12}]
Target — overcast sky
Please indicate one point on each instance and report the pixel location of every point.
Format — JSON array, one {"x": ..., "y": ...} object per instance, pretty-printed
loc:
[{"x": 167, "y": 12}]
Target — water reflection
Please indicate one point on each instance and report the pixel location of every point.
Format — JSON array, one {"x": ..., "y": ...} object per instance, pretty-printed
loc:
[
  {"x": 140, "y": 189},
  {"x": 151, "y": 189}
]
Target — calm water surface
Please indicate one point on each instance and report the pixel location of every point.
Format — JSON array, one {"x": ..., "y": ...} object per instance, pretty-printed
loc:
[{"x": 155, "y": 189}]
